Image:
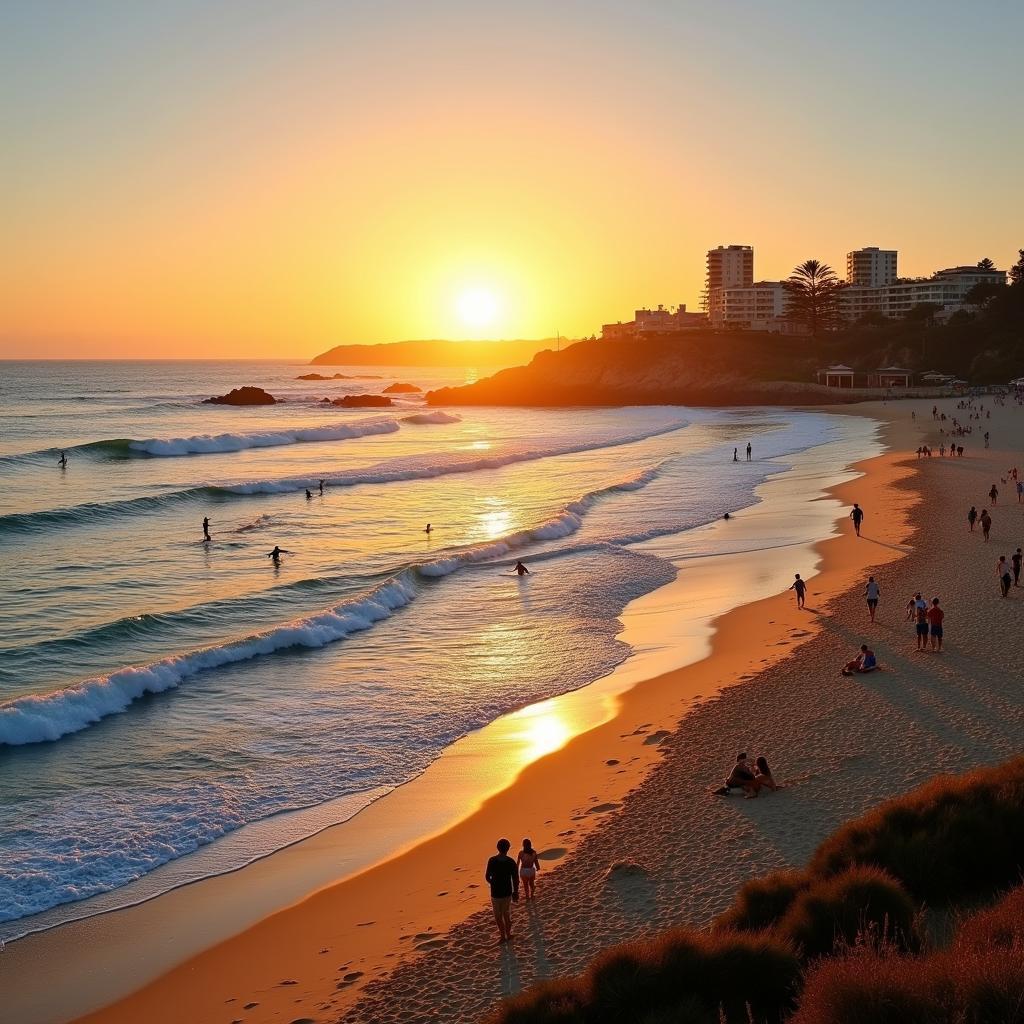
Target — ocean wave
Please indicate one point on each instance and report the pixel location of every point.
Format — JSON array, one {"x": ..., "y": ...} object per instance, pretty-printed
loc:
[
  {"x": 394, "y": 471},
  {"x": 432, "y": 417},
  {"x": 47, "y": 717}
]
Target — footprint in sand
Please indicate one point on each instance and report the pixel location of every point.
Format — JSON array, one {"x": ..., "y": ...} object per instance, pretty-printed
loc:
[
  {"x": 365, "y": 924},
  {"x": 353, "y": 976},
  {"x": 442, "y": 893},
  {"x": 611, "y": 761},
  {"x": 603, "y": 808},
  {"x": 432, "y": 944},
  {"x": 303, "y": 1020},
  {"x": 249, "y": 1006},
  {"x": 289, "y": 982},
  {"x": 555, "y": 853},
  {"x": 657, "y": 737}
]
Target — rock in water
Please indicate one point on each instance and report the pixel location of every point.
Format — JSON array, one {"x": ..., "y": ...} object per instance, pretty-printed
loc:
[
  {"x": 243, "y": 396},
  {"x": 363, "y": 402},
  {"x": 402, "y": 389}
]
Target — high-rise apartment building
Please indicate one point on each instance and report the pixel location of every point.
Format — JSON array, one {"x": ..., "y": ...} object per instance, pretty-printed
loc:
[
  {"x": 871, "y": 267},
  {"x": 730, "y": 266}
]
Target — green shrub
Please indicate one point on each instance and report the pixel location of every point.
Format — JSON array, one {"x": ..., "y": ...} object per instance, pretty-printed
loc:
[
  {"x": 862, "y": 905},
  {"x": 762, "y": 902},
  {"x": 953, "y": 839},
  {"x": 997, "y": 927}
]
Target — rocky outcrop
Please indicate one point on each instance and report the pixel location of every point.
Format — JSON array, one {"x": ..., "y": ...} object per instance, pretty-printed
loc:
[
  {"x": 362, "y": 402},
  {"x": 697, "y": 368},
  {"x": 402, "y": 389},
  {"x": 434, "y": 353},
  {"x": 338, "y": 376},
  {"x": 243, "y": 396}
]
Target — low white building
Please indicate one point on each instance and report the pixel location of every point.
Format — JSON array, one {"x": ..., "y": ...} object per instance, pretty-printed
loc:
[
  {"x": 648, "y": 322},
  {"x": 760, "y": 306},
  {"x": 946, "y": 289}
]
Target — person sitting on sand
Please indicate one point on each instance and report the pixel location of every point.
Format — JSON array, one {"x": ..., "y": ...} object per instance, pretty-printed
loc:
[
  {"x": 529, "y": 865},
  {"x": 800, "y": 586},
  {"x": 763, "y": 775},
  {"x": 741, "y": 777},
  {"x": 864, "y": 662},
  {"x": 502, "y": 876}
]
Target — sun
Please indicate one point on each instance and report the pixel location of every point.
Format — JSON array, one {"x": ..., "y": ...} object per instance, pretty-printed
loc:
[{"x": 477, "y": 307}]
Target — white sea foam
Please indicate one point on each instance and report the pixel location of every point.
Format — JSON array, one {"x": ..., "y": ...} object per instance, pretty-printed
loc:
[
  {"x": 47, "y": 717},
  {"x": 206, "y": 444}
]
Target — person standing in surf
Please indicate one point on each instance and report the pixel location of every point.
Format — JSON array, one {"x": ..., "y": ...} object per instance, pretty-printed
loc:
[
  {"x": 321, "y": 488},
  {"x": 206, "y": 529},
  {"x": 750, "y": 451},
  {"x": 63, "y": 460},
  {"x": 520, "y": 570},
  {"x": 275, "y": 555}
]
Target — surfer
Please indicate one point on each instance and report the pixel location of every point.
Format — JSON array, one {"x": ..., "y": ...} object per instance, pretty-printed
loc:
[
  {"x": 206, "y": 529},
  {"x": 276, "y": 554},
  {"x": 521, "y": 570},
  {"x": 63, "y": 461}
]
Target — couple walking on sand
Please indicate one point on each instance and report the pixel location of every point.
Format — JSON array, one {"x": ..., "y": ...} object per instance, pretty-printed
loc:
[{"x": 503, "y": 875}]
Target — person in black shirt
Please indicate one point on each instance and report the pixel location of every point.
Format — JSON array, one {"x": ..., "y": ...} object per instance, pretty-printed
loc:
[{"x": 502, "y": 876}]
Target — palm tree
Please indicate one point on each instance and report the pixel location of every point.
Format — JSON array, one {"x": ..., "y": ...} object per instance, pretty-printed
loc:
[
  {"x": 814, "y": 296},
  {"x": 986, "y": 264}
]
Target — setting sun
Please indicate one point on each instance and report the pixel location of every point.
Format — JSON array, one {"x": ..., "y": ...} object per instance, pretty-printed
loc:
[{"x": 477, "y": 307}]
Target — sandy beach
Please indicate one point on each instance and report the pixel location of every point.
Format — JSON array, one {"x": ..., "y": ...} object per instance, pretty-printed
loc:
[{"x": 411, "y": 939}]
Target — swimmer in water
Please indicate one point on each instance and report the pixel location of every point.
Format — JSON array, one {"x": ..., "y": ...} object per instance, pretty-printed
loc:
[
  {"x": 206, "y": 528},
  {"x": 63, "y": 460},
  {"x": 276, "y": 554},
  {"x": 521, "y": 570}
]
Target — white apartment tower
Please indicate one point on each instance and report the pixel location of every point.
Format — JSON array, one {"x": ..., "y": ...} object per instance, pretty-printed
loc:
[
  {"x": 871, "y": 267},
  {"x": 730, "y": 266}
]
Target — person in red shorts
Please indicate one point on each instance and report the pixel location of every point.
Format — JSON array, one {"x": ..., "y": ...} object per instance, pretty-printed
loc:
[{"x": 935, "y": 616}]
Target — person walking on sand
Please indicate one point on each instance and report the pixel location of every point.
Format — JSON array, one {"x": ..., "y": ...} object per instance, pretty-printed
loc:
[
  {"x": 935, "y": 617},
  {"x": 800, "y": 586},
  {"x": 1003, "y": 572},
  {"x": 206, "y": 529},
  {"x": 986, "y": 523},
  {"x": 529, "y": 864},
  {"x": 871, "y": 594},
  {"x": 750, "y": 451},
  {"x": 972, "y": 518},
  {"x": 921, "y": 621},
  {"x": 994, "y": 495},
  {"x": 502, "y": 875},
  {"x": 857, "y": 515},
  {"x": 1015, "y": 561}
]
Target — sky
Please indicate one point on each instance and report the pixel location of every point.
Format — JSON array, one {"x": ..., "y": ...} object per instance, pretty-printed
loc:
[{"x": 261, "y": 179}]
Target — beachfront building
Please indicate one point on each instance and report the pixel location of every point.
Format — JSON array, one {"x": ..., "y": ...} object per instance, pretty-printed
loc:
[
  {"x": 648, "y": 323},
  {"x": 890, "y": 377},
  {"x": 871, "y": 267},
  {"x": 946, "y": 289},
  {"x": 759, "y": 306},
  {"x": 728, "y": 266},
  {"x": 836, "y": 376}
]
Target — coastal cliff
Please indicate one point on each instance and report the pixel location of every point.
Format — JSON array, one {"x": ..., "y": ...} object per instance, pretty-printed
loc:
[
  {"x": 702, "y": 368},
  {"x": 434, "y": 353}
]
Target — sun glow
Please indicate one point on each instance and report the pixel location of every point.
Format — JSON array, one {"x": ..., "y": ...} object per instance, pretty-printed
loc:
[{"x": 477, "y": 307}]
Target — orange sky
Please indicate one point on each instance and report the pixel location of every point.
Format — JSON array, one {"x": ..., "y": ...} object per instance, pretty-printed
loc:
[{"x": 253, "y": 181}]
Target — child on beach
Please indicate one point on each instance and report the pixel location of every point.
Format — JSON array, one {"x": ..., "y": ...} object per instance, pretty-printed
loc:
[
  {"x": 921, "y": 619},
  {"x": 801, "y": 588},
  {"x": 529, "y": 864}
]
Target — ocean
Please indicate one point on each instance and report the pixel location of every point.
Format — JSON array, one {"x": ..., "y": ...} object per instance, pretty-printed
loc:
[{"x": 165, "y": 701}]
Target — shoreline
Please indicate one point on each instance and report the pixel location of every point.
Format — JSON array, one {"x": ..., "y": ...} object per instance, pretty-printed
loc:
[{"x": 318, "y": 868}]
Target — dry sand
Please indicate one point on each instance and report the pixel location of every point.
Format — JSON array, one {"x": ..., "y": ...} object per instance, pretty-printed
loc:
[{"x": 838, "y": 745}]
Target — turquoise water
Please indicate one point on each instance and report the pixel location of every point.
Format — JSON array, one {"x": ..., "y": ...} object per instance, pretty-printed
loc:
[{"x": 158, "y": 692}]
